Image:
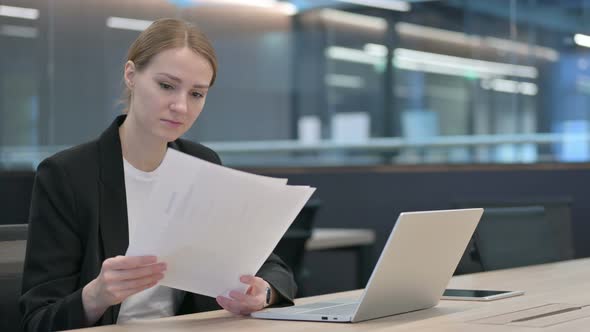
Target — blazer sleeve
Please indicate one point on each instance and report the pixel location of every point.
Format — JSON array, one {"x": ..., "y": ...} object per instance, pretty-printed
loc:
[
  {"x": 51, "y": 298},
  {"x": 280, "y": 277}
]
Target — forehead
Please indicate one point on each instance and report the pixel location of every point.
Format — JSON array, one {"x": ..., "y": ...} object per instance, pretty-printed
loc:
[{"x": 183, "y": 63}]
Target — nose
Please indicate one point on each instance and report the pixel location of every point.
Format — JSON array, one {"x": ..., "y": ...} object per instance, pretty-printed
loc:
[{"x": 180, "y": 105}]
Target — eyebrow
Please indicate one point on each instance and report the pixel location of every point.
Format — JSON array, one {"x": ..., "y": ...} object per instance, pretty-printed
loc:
[{"x": 178, "y": 80}]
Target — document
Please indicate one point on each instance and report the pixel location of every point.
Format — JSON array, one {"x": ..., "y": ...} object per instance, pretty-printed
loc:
[{"x": 212, "y": 224}]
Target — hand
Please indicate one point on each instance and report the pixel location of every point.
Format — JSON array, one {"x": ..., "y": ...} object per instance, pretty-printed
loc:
[
  {"x": 119, "y": 278},
  {"x": 244, "y": 304}
]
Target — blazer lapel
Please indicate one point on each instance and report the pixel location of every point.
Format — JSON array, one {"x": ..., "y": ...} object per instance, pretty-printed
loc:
[
  {"x": 113, "y": 203},
  {"x": 113, "y": 224}
]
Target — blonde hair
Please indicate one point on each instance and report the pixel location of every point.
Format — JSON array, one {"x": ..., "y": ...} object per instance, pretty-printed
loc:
[{"x": 164, "y": 34}]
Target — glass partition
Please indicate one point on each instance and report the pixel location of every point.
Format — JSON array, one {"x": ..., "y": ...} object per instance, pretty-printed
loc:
[{"x": 314, "y": 83}]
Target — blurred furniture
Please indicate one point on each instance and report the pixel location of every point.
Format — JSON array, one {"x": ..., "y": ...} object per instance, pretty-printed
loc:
[
  {"x": 358, "y": 240},
  {"x": 15, "y": 196},
  {"x": 302, "y": 236},
  {"x": 12, "y": 254},
  {"x": 519, "y": 234},
  {"x": 291, "y": 247},
  {"x": 13, "y": 232}
]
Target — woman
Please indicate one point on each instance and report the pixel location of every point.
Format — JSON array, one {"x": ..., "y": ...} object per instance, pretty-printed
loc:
[{"x": 86, "y": 200}]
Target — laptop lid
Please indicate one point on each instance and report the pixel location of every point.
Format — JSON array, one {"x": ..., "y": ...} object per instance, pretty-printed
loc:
[
  {"x": 412, "y": 272},
  {"x": 417, "y": 262}
]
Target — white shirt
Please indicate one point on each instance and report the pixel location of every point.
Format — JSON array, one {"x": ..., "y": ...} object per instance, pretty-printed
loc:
[{"x": 158, "y": 301}]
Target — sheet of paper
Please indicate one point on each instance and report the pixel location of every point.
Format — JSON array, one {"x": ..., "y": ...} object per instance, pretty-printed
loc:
[{"x": 211, "y": 224}]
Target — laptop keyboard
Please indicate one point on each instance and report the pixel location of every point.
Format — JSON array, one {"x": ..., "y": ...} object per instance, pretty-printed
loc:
[{"x": 343, "y": 309}]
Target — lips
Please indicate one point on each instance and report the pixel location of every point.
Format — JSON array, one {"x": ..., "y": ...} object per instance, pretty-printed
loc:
[{"x": 172, "y": 122}]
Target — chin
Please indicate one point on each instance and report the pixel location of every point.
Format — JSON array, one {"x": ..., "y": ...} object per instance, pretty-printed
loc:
[{"x": 168, "y": 136}]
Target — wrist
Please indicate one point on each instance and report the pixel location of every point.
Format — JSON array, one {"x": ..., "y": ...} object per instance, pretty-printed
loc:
[
  {"x": 92, "y": 306},
  {"x": 271, "y": 295}
]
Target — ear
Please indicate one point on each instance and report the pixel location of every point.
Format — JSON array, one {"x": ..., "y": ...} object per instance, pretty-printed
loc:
[{"x": 129, "y": 74}]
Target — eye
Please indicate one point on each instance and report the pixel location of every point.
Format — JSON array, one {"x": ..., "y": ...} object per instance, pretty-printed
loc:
[
  {"x": 166, "y": 86},
  {"x": 197, "y": 94}
]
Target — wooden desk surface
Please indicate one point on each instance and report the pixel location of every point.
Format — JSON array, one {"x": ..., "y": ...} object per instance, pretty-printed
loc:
[{"x": 564, "y": 282}]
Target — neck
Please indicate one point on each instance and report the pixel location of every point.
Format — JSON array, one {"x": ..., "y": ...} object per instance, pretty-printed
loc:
[{"x": 141, "y": 149}]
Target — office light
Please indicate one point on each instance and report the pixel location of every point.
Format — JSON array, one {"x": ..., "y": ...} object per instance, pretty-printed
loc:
[
  {"x": 373, "y": 54},
  {"x": 582, "y": 40},
  {"x": 359, "y": 20},
  {"x": 286, "y": 8},
  {"x": 344, "y": 81},
  {"x": 18, "y": 31},
  {"x": 19, "y": 12},
  {"x": 416, "y": 60},
  {"x": 527, "y": 88},
  {"x": 510, "y": 86},
  {"x": 256, "y": 3},
  {"x": 127, "y": 23},
  {"x": 377, "y": 50},
  {"x": 352, "y": 55},
  {"x": 455, "y": 37},
  {"x": 397, "y": 5}
]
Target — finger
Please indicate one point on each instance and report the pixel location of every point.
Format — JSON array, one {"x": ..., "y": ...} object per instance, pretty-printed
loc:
[
  {"x": 132, "y": 291},
  {"x": 248, "y": 279},
  {"x": 256, "y": 284},
  {"x": 247, "y": 301},
  {"x": 136, "y": 273},
  {"x": 137, "y": 283},
  {"x": 239, "y": 296},
  {"x": 129, "y": 262},
  {"x": 228, "y": 305}
]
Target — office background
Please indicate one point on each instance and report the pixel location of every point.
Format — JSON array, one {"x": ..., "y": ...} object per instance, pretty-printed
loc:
[{"x": 419, "y": 105}]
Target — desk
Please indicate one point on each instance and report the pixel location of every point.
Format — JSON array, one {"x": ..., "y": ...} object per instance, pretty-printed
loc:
[
  {"x": 564, "y": 282},
  {"x": 358, "y": 240}
]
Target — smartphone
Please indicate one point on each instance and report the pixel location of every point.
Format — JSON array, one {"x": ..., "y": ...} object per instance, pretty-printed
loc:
[{"x": 478, "y": 294}]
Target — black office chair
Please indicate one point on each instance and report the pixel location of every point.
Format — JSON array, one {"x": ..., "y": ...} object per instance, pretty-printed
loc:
[
  {"x": 291, "y": 247},
  {"x": 11, "y": 265},
  {"x": 15, "y": 196},
  {"x": 519, "y": 233},
  {"x": 13, "y": 232},
  {"x": 520, "y": 236}
]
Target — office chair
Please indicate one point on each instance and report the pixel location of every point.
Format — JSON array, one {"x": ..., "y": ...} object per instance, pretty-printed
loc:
[
  {"x": 12, "y": 258},
  {"x": 15, "y": 196},
  {"x": 291, "y": 247},
  {"x": 519, "y": 236},
  {"x": 519, "y": 233},
  {"x": 13, "y": 232}
]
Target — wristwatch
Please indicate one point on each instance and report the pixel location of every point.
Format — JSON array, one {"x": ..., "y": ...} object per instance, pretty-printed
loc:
[{"x": 268, "y": 296}]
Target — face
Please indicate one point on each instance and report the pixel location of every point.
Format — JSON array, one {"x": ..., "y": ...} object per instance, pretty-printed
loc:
[{"x": 169, "y": 94}]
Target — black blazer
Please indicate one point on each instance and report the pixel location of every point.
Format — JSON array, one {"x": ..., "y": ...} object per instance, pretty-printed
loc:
[{"x": 78, "y": 218}]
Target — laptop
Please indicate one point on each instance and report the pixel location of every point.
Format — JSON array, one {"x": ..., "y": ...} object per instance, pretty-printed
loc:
[{"x": 411, "y": 274}]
